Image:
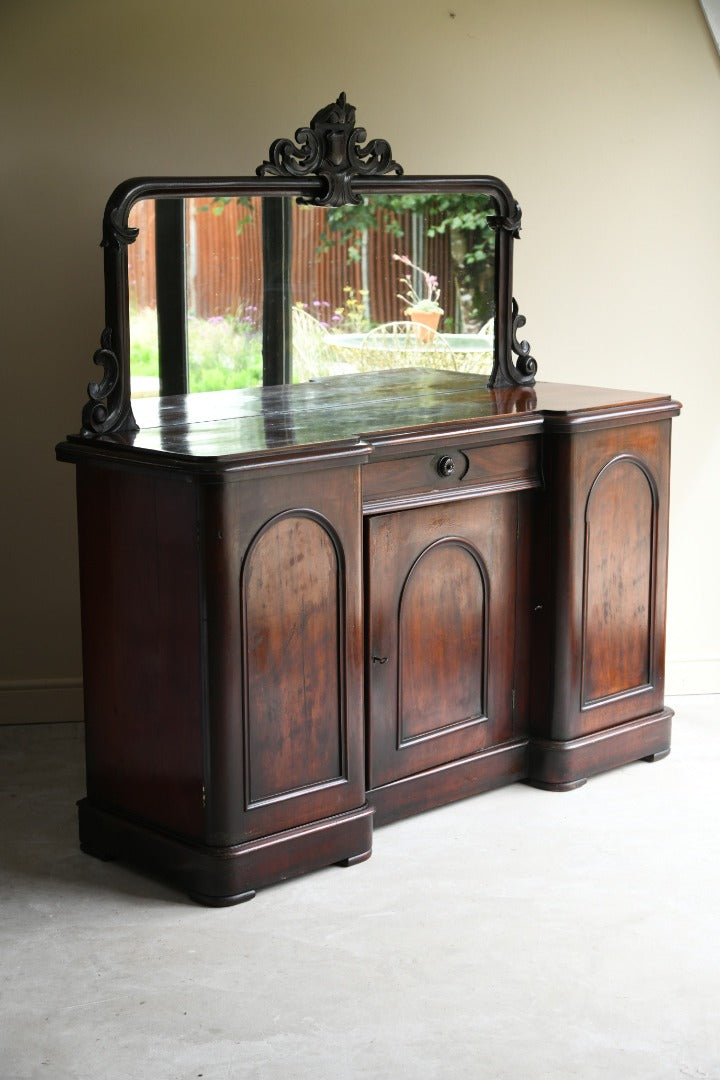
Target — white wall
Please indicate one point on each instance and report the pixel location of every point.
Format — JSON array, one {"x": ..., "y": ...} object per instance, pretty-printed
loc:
[{"x": 603, "y": 118}]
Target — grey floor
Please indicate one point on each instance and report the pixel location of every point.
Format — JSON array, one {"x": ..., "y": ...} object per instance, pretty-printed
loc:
[{"x": 520, "y": 935}]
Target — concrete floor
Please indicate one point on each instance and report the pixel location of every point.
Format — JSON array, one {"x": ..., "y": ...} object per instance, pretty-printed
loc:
[{"x": 520, "y": 935}]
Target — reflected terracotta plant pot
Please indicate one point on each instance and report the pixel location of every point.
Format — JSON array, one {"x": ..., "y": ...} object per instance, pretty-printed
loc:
[{"x": 426, "y": 323}]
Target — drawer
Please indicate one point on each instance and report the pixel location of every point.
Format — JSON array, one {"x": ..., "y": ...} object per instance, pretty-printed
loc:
[{"x": 452, "y": 471}]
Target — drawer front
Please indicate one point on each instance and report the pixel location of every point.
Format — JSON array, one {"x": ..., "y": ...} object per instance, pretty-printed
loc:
[{"x": 452, "y": 470}]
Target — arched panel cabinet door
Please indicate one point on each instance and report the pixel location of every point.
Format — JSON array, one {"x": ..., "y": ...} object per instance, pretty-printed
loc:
[
  {"x": 619, "y": 574},
  {"x": 293, "y": 617},
  {"x": 285, "y": 679},
  {"x": 441, "y": 634}
]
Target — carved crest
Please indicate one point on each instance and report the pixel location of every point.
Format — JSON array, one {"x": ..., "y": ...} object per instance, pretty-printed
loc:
[{"x": 331, "y": 148}]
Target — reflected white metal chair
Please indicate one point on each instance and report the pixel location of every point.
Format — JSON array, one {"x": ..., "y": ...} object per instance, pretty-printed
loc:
[
  {"x": 313, "y": 352},
  {"x": 406, "y": 344}
]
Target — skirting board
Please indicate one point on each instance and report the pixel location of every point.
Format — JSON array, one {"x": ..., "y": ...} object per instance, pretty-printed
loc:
[
  {"x": 692, "y": 677},
  {"x": 41, "y": 701}
]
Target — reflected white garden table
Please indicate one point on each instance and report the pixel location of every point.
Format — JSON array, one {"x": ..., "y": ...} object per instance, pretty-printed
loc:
[{"x": 403, "y": 344}]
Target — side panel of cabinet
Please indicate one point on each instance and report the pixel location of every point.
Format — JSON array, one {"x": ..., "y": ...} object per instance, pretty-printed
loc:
[
  {"x": 442, "y": 585},
  {"x": 141, "y": 619},
  {"x": 604, "y": 609},
  {"x": 285, "y": 736}
]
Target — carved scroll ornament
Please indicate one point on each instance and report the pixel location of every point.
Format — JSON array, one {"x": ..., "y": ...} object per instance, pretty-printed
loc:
[
  {"x": 98, "y": 416},
  {"x": 526, "y": 364},
  {"x": 331, "y": 148}
]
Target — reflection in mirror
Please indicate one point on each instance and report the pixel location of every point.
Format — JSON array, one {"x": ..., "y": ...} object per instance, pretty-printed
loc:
[{"x": 400, "y": 280}]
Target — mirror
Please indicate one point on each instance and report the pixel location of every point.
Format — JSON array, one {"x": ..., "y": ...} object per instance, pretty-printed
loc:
[
  {"x": 398, "y": 280},
  {"x": 329, "y": 261}
]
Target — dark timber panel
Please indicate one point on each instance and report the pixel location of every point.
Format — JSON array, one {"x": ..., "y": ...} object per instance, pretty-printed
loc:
[
  {"x": 619, "y": 573},
  {"x": 142, "y": 650},
  {"x": 441, "y": 641},
  {"x": 291, "y": 597}
]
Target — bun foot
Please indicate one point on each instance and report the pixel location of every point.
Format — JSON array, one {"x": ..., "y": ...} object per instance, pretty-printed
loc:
[
  {"x": 658, "y": 756},
  {"x": 568, "y": 785},
  {"x": 222, "y": 901},
  {"x": 352, "y": 860}
]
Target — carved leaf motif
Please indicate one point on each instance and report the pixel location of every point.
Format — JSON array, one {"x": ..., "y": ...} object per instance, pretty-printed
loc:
[
  {"x": 376, "y": 157},
  {"x": 286, "y": 159},
  {"x": 116, "y": 232},
  {"x": 511, "y": 223}
]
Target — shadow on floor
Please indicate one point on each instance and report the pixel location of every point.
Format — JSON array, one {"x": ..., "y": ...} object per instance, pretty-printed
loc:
[{"x": 41, "y": 780}]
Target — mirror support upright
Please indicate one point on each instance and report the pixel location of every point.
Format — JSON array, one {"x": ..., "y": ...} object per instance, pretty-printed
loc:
[
  {"x": 277, "y": 297},
  {"x": 171, "y": 277}
]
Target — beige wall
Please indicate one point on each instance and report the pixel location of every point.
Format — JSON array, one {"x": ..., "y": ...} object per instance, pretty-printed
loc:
[{"x": 603, "y": 118}]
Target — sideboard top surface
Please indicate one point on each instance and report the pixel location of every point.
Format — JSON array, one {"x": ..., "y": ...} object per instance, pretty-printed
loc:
[{"x": 355, "y": 412}]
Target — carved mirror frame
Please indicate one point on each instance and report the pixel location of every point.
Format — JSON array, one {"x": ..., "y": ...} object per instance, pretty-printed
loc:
[{"x": 328, "y": 165}]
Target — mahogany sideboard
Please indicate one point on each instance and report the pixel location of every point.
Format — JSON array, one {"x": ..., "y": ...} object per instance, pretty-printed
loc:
[{"x": 309, "y": 608}]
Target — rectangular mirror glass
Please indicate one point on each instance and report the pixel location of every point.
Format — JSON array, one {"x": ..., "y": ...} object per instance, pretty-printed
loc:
[{"x": 401, "y": 280}]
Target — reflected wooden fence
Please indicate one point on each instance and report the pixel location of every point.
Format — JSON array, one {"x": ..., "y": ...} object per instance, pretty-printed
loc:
[{"x": 224, "y": 264}]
